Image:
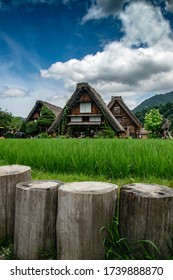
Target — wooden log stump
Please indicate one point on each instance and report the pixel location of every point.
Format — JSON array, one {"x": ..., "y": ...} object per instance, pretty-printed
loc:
[
  {"x": 83, "y": 208},
  {"x": 35, "y": 218},
  {"x": 146, "y": 213},
  {"x": 10, "y": 176}
]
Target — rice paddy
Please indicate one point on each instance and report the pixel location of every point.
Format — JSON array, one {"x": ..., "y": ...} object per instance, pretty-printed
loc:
[{"x": 113, "y": 160}]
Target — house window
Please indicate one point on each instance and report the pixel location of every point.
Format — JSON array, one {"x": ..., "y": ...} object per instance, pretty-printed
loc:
[
  {"x": 95, "y": 119},
  {"x": 76, "y": 119},
  {"x": 116, "y": 110},
  {"x": 119, "y": 119},
  {"x": 85, "y": 107}
]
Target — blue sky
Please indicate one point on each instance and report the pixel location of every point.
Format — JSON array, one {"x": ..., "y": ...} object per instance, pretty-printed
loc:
[{"x": 120, "y": 47}]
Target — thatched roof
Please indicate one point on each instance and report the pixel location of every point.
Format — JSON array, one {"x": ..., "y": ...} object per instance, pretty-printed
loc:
[
  {"x": 120, "y": 101},
  {"x": 98, "y": 101},
  {"x": 55, "y": 109}
]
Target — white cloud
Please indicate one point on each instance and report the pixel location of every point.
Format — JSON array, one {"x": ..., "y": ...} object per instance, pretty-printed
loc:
[
  {"x": 121, "y": 69},
  {"x": 103, "y": 8},
  {"x": 14, "y": 92},
  {"x": 143, "y": 23}
]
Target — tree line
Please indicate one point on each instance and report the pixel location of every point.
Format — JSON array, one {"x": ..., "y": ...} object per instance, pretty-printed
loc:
[{"x": 10, "y": 124}]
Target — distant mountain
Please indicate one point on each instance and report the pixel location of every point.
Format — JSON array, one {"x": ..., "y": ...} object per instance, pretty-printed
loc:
[{"x": 154, "y": 101}]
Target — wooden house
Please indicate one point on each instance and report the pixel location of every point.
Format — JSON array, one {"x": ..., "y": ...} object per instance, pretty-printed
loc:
[
  {"x": 85, "y": 114},
  {"x": 125, "y": 117},
  {"x": 35, "y": 112}
]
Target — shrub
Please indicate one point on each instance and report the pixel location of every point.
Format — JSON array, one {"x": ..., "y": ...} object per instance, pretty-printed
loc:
[
  {"x": 44, "y": 135},
  {"x": 107, "y": 133}
]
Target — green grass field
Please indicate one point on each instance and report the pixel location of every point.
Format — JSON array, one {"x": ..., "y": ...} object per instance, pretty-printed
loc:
[{"x": 113, "y": 160}]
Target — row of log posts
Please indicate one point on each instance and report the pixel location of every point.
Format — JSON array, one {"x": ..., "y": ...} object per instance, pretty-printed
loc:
[{"x": 71, "y": 215}]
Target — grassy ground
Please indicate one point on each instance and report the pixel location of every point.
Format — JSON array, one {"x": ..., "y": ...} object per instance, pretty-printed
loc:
[{"x": 119, "y": 161}]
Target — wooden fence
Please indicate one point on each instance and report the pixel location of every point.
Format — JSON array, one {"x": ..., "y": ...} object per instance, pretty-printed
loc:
[{"x": 40, "y": 215}]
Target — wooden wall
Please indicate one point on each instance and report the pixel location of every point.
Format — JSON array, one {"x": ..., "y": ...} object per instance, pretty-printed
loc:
[
  {"x": 84, "y": 98},
  {"x": 125, "y": 120}
]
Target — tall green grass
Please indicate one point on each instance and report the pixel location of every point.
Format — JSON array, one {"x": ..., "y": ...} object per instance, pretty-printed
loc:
[
  {"x": 120, "y": 248},
  {"x": 112, "y": 158}
]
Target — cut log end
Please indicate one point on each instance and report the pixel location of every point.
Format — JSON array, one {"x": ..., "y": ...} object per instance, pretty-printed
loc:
[
  {"x": 39, "y": 185},
  {"x": 88, "y": 187},
  {"x": 13, "y": 169},
  {"x": 148, "y": 190}
]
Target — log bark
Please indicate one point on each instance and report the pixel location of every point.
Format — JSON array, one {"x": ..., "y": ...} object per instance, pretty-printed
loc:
[
  {"x": 83, "y": 208},
  {"x": 35, "y": 218},
  {"x": 146, "y": 213},
  {"x": 10, "y": 176}
]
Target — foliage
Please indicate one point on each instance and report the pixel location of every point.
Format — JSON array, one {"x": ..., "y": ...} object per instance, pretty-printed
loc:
[
  {"x": 153, "y": 121},
  {"x": 15, "y": 124},
  {"x": 141, "y": 115},
  {"x": 165, "y": 109},
  {"x": 44, "y": 135},
  {"x": 120, "y": 248},
  {"x": 62, "y": 129},
  {"x": 46, "y": 119},
  {"x": 10, "y": 122},
  {"x": 106, "y": 133},
  {"x": 8, "y": 134},
  {"x": 32, "y": 128},
  {"x": 5, "y": 119},
  {"x": 23, "y": 127},
  {"x": 7, "y": 249}
]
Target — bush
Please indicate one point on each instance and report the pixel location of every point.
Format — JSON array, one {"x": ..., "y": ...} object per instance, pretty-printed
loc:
[
  {"x": 107, "y": 133},
  {"x": 44, "y": 135},
  {"x": 9, "y": 135}
]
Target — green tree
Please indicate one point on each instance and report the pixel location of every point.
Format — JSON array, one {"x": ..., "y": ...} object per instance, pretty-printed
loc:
[
  {"x": 5, "y": 119},
  {"x": 153, "y": 120},
  {"x": 46, "y": 119},
  {"x": 32, "y": 128},
  {"x": 16, "y": 123},
  {"x": 23, "y": 127}
]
